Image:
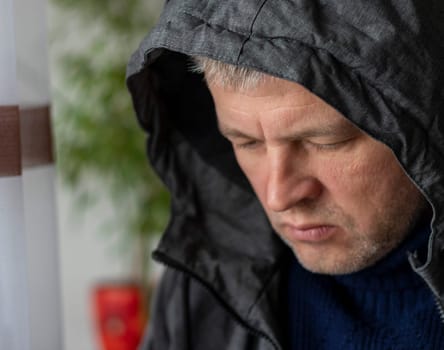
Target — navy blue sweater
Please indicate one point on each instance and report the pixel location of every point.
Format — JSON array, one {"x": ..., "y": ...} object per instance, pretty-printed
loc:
[{"x": 386, "y": 306}]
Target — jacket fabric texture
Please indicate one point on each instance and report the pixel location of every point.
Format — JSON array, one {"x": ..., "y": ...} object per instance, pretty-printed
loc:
[{"x": 379, "y": 62}]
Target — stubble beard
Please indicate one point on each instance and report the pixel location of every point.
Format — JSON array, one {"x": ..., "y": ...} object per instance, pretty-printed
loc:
[{"x": 362, "y": 249}]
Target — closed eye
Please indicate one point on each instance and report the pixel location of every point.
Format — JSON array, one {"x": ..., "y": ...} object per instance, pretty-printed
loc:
[
  {"x": 246, "y": 145},
  {"x": 329, "y": 146}
]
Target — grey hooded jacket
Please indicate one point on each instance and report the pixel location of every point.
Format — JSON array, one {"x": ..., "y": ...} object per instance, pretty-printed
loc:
[{"x": 379, "y": 62}]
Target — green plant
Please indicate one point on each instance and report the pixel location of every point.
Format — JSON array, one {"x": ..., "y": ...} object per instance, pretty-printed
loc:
[{"x": 97, "y": 135}]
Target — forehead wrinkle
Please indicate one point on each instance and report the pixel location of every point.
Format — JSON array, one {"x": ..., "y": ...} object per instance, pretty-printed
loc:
[
  {"x": 292, "y": 117},
  {"x": 280, "y": 111},
  {"x": 287, "y": 131},
  {"x": 298, "y": 124},
  {"x": 234, "y": 132},
  {"x": 255, "y": 111}
]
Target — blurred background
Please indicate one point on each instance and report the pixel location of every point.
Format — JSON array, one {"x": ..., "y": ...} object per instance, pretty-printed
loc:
[
  {"x": 78, "y": 225},
  {"x": 111, "y": 207}
]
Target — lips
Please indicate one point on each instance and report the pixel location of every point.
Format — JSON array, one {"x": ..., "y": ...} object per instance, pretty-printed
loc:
[{"x": 311, "y": 233}]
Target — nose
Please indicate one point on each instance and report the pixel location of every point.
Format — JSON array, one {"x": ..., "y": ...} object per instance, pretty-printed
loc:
[{"x": 290, "y": 181}]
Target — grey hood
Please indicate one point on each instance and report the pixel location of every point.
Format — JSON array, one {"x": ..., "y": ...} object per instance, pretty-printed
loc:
[{"x": 379, "y": 62}]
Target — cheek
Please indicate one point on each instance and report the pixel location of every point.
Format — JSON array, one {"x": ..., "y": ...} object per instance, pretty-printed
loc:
[
  {"x": 367, "y": 187},
  {"x": 370, "y": 168},
  {"x": 344, "y": 179},
  {"x": 359, "y": 183}
]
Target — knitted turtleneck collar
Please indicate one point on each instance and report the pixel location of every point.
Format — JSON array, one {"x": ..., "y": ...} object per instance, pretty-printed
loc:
[{"x": 385, "y": 306}]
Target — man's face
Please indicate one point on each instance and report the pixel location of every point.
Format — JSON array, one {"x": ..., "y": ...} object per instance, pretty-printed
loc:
[{"x": 336, "y": 196}]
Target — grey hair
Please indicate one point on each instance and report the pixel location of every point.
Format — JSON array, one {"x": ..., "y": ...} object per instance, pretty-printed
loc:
[{"x": 228, "y": 75}]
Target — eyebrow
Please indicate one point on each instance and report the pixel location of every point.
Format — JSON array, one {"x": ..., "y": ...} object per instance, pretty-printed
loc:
[
  {"x": 232, "y": 132},
  {"x": 324, "y": 130}
]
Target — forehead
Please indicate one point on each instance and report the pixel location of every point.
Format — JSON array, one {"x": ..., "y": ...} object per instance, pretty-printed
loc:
[
  {"x": 266, "y": 92},
  {"x": 274, "y": 104}
]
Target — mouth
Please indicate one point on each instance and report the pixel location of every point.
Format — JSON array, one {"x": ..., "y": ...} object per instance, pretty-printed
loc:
[{"x": 311, "y": 233}]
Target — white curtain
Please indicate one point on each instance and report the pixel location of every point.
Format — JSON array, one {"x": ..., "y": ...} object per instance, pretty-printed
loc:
[{"x": 30, "y": 316}]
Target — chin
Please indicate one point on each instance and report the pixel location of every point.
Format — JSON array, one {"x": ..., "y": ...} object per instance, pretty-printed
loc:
[
  {"x": 326, "y": 265},
  {"x": 339, "y": 258}
]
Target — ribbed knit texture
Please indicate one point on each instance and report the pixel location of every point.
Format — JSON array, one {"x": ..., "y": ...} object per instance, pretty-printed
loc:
[{"x": 386, "y": 306}]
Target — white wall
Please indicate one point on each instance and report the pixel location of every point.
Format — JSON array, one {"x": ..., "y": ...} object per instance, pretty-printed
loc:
[{"x": 87, "y": 256}]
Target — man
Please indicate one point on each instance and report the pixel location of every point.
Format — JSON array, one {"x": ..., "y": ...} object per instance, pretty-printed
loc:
[{"x": 295, "y": 233}]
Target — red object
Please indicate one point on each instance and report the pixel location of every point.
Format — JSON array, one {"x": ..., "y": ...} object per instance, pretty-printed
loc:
[{"x": 120, "y": 316}]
